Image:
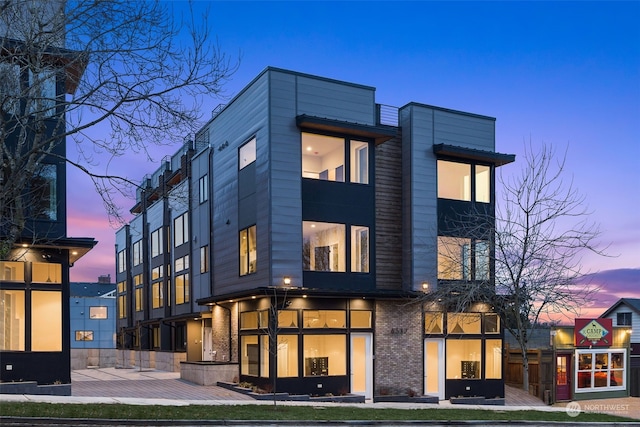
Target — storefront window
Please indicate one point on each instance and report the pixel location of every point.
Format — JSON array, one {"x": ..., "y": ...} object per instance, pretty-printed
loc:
[
  {"x": 493, "y": 359},
  {"x": 463, "y": 323},
  {"x": 46, "y": 321},
  {"x": 324, "y": 319},
  {"x": 600, "y": 370},
  {"x": 264, "y": 355},
  {"x": 249, "y": 357},
  {"x": 12, "y": 319},
  {"x": 43, "y": 272},
  {"x": 287, "y": 319},
  {"x": 464, "y": 358},
  {"x": 254, "y": 320},
  {"x": 325, "y": 355},
  {"x": 11, "y": 271},
  {"x": 491, "y": 324},
  {"x": 287, "y": 356}
]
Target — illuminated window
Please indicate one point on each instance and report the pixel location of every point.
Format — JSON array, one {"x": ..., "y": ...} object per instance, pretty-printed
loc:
[
  {"x": 44, "y": 272},
  {"x": 454, "y": 180},
  {"x": 601, "y": 370},
  {"x": 323, "y": 246},
  {"x": 433, "y": 323},
  {"x": 46, "y": 321},
  {"x": 324, "y": 355},
  {"x": 248, "y": 251},
  {"x": 463, "y": 323},
  {"x": 84, "y": 335},
  {"x": 359, "y": 162},
  {"x": 493, "y": 359},
  {"x": 324, "y": 319},
  {"x": 322, "y": 157},
  {"x": 287, "y": 318},
  {"x": 455, "y": 259},
  {"x": 249, "y": 355},
  {"x": 182, "y": 263},
  {"x": 463, "y": 359},
  {"x": 182, "y": 288},
  {"x": 287, "y": 356},
  {"x": 98, "y": 312},
  {"x": 483, "y": 184},
  {"x": 12, "y": 319},
  {"x": 361, "y": 318},
  {"x": 12, "y": 271},
  {"x": 157, "y": 295}
]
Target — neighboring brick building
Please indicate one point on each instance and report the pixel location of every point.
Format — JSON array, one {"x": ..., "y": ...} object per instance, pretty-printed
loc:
[{"x": 296, "y": 237}]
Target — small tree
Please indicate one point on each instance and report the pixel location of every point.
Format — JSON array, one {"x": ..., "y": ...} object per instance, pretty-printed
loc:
[
  {"x": 135, "y": 70},
  {"x": 541, "y": 231},
  {"x": 278, "y": 302}
]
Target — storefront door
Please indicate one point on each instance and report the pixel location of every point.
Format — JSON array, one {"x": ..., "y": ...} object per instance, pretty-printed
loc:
[
  {"x": 361, "y": 365},
  {"x": 563, "y": 377},
  {"x": 434, "y": 367}
]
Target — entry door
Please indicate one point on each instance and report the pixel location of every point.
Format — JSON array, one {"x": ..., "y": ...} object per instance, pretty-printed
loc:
[
  {"x": 207, "y": 344},
  {"x": 563, "y": 377},
  {"x": 362, "y": 365},
  {"x": 434, "y": 368}
]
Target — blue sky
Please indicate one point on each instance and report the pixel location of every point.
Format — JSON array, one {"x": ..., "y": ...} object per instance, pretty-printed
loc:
[{"x": 562, "y": 73}]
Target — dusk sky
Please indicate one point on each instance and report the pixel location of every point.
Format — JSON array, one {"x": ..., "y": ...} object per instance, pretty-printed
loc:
[{"x": 564, "y": 74}]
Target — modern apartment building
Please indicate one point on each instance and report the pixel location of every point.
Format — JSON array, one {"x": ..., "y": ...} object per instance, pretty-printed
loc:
[
  {"x": 34, "y": 267},
  {"x": 299, "y": 237}
]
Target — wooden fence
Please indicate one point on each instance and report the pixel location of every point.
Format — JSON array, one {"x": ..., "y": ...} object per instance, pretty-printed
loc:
[{"x": 540, "y": 371}]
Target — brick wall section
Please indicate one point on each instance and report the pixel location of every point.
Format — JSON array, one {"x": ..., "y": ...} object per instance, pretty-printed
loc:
[
  {"x": 388, "y": 184},
  {"x": 220, "y": 333},
  {"x": 398, "y": 348}
]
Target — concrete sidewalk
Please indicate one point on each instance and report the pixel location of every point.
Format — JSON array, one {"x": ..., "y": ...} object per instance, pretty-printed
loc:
[{"x": 151, "y": 387}]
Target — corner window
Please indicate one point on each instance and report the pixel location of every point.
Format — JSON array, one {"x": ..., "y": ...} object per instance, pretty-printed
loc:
[
  {"x": 98, "y": 312},
  {"x": 181, "y": 229},
  {"x": 359, "y": 162},
  {"x": 493, "y": 359},
  {"x": 323, "y": 246},
  {"x": 247, "y": 154},
  {"x": 248, "y": 251},
  {"x": 455, "y": 181},
  {"x": 203, "y": 189},
  {"x": 322, "y": 157}
]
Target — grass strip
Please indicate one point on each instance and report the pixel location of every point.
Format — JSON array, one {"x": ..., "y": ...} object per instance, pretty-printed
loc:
[{"x": 281, "y": 412}]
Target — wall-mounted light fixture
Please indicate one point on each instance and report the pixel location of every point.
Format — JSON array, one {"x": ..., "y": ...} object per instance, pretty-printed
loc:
[
  {"x": 425, "y": 286},
  {"x": 286, "y": 280}
]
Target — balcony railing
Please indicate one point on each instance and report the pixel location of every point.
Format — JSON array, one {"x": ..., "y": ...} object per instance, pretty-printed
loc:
[{"x": 387, "y": 115}]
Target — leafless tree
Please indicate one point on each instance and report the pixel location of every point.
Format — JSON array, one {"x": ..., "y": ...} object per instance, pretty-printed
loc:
[
  {"x": 542, "y": 230},
  {"x": 137, "y": 71}
]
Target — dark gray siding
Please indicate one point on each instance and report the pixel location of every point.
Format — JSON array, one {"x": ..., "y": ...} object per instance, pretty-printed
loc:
[{"x": 200, "y": 223}]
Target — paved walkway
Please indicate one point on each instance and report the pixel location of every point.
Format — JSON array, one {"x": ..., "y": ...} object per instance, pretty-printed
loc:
[{"x": 151, "y": 387}]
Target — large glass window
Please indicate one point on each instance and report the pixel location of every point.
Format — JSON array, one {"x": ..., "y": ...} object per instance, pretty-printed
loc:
[
  {"x": 360, "y": 249},
  {"x": 12, "y": 319},
  {"x": 204, "y": 259},
  {"x": 454, "y": 180},
  {"x": 361, "y": 318},
  {"x": 493, "y": 359},
  {"x": 181, "y": 229},
  {"x": 287, "y": 356},
  {"x": 12, "y": 271},
  {"x": 600, "y": 370},
  {"x": 248, "y": 251},
  {"x": 325, "y": 355},
  {"x": 249, "y": 355},
  {"x": 122, "y": 261},
  {"x": 46, "y": 321},
  {"x": 247, "y": 154},
  {"x": 122, "y": 299},
  {"x": 455, "y": 259},
  {"x": 359, "y": 155},
  {"x": 138, "y": 294},
  {"x": 182, "y": 288},
  {"x": 463, "y": 359},
  {"x": 137, "y": 253},
  {"x": 322, "y": 157},
  {"x": 287, "y": 318},
  {"x": 323, "y": 246},
  {"x": 433, "y": 323},
  {"x": 157, "y": 295}
]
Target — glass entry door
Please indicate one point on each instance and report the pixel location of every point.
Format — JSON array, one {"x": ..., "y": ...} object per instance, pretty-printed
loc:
[
  {"x": 434, "y": 367},
  {"x": 362, "y": 365}
]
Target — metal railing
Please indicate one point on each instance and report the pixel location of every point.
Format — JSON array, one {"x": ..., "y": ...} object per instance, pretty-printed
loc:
[{"x": 387, "y": 115}]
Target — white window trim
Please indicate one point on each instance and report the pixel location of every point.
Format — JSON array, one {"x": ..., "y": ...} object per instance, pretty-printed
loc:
[{"x": 608, "y": 351}]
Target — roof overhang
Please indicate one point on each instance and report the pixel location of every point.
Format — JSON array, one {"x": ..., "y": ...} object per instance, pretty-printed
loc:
[
  {"x": 379, "y": 133},
  {"x": 270, "y": 291},
  {"x": 497, "y": 159},
  {"x": 76, "y": 246}
]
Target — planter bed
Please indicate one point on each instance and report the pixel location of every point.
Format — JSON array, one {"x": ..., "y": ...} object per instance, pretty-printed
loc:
[
  {"x": 351, "y": 398},
  {"x": 476, "y": 400},
  {"x": 406, "y": 399}
]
